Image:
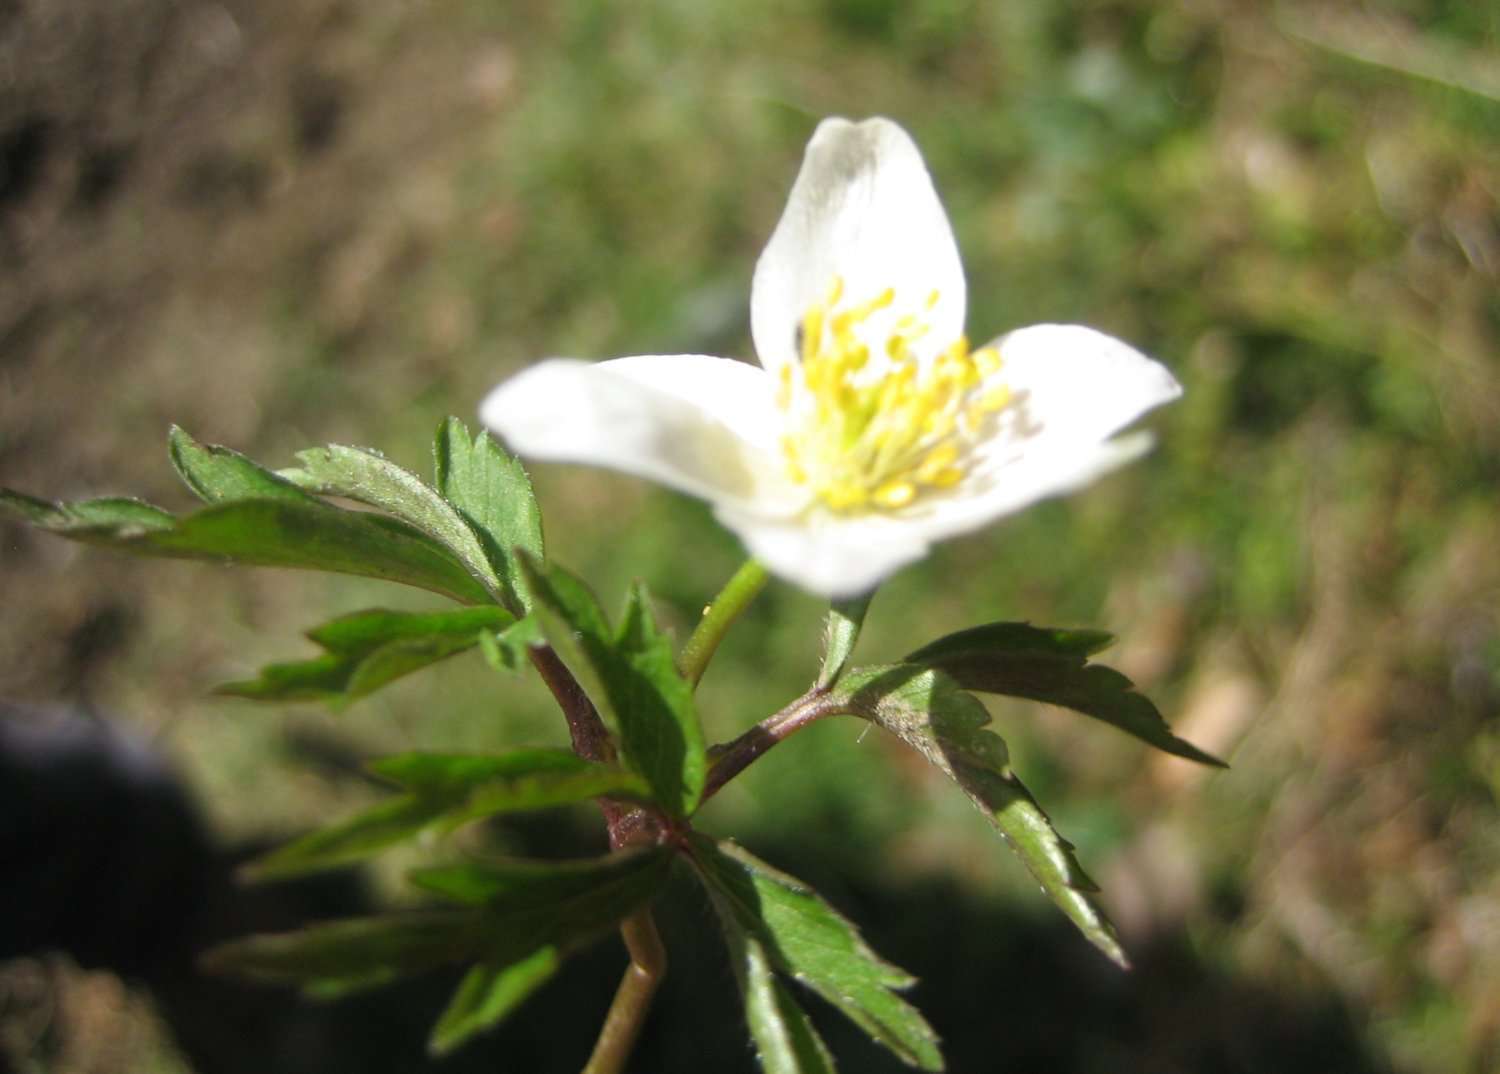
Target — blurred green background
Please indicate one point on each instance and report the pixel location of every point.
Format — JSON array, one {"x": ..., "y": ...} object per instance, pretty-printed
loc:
[{"x": 292, "y": 222}]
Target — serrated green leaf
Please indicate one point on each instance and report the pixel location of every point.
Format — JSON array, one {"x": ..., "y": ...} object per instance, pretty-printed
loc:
[
  {"x": 370, "y": 478},
  {"x": 535, "y": 910},
  {"x": 127, "y": 517},
  {"x": 805, "y": 938},
  {"x": 487, "y": 994},
  {"x": 840, "y": 633},
  {"x": 1042, "y": 664},
  {"x": 517, "y": 886},
  {"x": 785, "y": 1040},
  {"x": 444, "y": 792},
  {"x": 446, "y": 772},
  {"x": 337, "y": 957},
  {"x": 261, "y": 533},
  {"x": 930, "y": 712},
  {"x": 369, "y": 649},
  {"x": 218, "y": 473},
  {"x": 492, "y": 492},
  {"x": 1013, "y": 637},
  {"x": 631, "y": 676},
  {"x": 507, "y": 649}
]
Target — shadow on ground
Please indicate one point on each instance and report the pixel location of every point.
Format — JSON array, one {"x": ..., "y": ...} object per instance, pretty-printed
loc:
[{"x": 109, "y": 863}]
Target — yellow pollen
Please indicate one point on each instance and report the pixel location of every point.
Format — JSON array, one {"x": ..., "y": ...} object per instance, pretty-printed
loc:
[{"x": 872, "y": 423}]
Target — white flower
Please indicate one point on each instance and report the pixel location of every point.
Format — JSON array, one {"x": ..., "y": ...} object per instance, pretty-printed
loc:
[{"x": 871, "y": 429}]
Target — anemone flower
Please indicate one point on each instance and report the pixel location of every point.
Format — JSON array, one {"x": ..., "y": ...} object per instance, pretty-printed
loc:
[{"x": 870, "y": 428}]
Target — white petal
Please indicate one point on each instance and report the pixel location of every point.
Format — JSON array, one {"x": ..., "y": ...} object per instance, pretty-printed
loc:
[
  {"x": 863, "y": 208},
  {"x": 1073, "y": 388},
  {"x": 832, "y": 555},
  {"x": 1032, "y": 477},
  {"x": 1075, "y": 385},
  {"x": 695, "y": 423}
]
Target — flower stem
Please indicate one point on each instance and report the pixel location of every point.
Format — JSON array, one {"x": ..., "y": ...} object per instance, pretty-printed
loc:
[
  {"x": 591, "y": 739},
  {"x": 648, "y": 964},
  {"x": 732, "y": 758},
  {"x": 718, "y": 617}
]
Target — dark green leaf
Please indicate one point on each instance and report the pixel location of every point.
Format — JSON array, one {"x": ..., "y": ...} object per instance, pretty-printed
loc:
[
  {"x": 494, "y": 495},
  {"x": 532, "y": 906},
  {"x": 366, "y": 650},
  {"x": 444, "y": 792},
  {"x": 524, "y": 886},
  {"x": 336, "y": 957},
  {"x": 370, "y": 478},
  {"x": 930, "y": 712},
  {"x": 506, "y": 651},
  {"x": 446, "y": 772},
  {"x": 805, "y": 938},
  {"x": 487, "y": 994},
  {"x": 840, "y": 633},
  {"x": 262, "y": 533},
  {"x": 365, "y": 631},
  {"x": 632, "y": 677},
  {"x": 1052, "y": 666},
  {"x": 217, "y": 473},
  {"x": 1013, "y": 637}
]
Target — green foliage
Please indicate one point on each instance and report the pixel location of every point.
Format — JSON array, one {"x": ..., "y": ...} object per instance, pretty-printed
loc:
[
  {"x": 631, "y": 676},
  {"x": 444, "y": 791},
  {"x": 931, "y": 713},
  {"x": 517, "y": 918},
  {"x": 261, "y": 533},
  {"x": 773, "y": 921},
  {"x": 840, "y": 634},
  {"x": 487, "y": 994},
  {"x": 368, "y": 477},
  {"x": 219, "y": 473},
  {"x": 785, "y": 1040},
  {"x": 491, "y": 491},
  {"x": 1041, "y": 664},
  {"x": 369, "y": 649}
]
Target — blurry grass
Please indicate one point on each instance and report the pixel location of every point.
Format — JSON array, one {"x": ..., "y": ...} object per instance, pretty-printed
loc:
[{"x": 1311, "y": 241}]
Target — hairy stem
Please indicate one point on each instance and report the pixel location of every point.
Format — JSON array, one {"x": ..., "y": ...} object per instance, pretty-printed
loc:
[
  {"x": 648, "y": 964},
  {"x": 590, "y": 737},
  {"x": 718, "y": 617},
  {"x": 732, "y": 758}
]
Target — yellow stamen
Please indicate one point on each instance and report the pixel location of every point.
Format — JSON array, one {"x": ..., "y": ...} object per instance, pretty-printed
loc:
[{"x": 867, "y": 433}]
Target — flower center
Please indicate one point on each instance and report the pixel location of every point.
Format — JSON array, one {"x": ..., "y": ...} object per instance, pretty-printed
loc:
[{"x": 869, "y": 422}]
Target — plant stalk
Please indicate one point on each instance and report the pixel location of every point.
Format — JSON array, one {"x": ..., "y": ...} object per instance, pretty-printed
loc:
[
  {"x": 622, "y": 1026},
  {"x": 732, "y": 758},
  {"x": 718, "y": 617}
]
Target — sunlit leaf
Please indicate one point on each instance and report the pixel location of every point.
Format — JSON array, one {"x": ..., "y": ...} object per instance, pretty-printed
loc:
[
  {"x": 806, "y": 939},
  {"x": 366, "y": 650},
  {"x": 840, "y": 633},
  {"x": 370, "y": 478},
  {"x": 1052, "y": 666},
  {"x": 785, "y": 1040},
  {"x": 442, "y": 792},
  {"x": 261, "y": 533},
  {"x": 632, "y": 677},
  {"x": 218, "y": 473},
  {"x": 931, "y": 713},
  {"x": 492, "y": 492},
  {"x": 506, "y": 650},
  {"x": 487, "y": 994}
]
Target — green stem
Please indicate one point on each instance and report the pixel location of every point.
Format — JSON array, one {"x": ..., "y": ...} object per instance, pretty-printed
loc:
[
  {"x": 648, "y": 964},
  {"x": 718, "y": 617}
]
